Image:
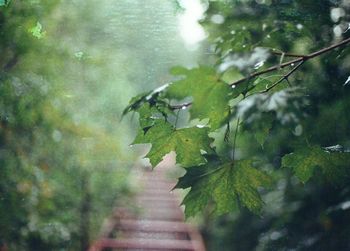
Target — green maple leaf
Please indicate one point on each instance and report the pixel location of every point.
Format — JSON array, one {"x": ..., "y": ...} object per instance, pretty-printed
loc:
[
  {"x": 188, "y": 143},
  {"x": 305, "y": 161},
  {"x": 225, "y": 185},
  {"x": 210, "y": 95}
]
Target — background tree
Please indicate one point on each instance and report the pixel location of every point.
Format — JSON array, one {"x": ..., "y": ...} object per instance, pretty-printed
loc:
[
  {"x": 67, "y": 68},
  {"x": 262, "y": 127}
]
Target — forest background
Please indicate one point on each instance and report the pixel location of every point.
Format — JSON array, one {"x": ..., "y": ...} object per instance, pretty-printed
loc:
[{"x": 68, "y": 68}]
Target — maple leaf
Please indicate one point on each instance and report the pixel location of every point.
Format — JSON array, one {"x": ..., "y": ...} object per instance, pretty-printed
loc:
[
  {"x": 305, "y": 161},
  {"x": 225, "y": 185},
  {"x": 210, "y": 95},
  {"x": 188, "y": 143}
]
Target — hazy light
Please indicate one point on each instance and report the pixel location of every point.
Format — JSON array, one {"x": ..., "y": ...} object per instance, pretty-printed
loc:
[{"x": 190, "y": 30}]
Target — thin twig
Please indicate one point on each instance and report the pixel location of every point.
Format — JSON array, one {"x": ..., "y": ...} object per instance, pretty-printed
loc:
[
  {"x": 181, "y": 106},
  {"x": 292, "y": 55},
  {"x": 285, "y": 77},
  {"x": 234, "y": 140},
  {"x": 294, "y": 61}
]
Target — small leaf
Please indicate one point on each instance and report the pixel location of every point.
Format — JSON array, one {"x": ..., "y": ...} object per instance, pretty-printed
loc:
[
  {"x": 136, "y": 102},
  {"x": 225, "y": 185},
  {"x": 188, "y": 143},
  {"x": 37, "y": 31},
  {"x": 262, "y": 128}
]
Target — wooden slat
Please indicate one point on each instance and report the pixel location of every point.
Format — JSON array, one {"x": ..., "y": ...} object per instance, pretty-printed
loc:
[
  {"x": 153, "y": 226},
  {"x": 150, "y": 244}
]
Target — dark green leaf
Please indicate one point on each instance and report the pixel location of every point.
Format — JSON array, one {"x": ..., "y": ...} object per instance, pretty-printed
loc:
[
  {"x": 187, "y": 143},
  {"x": 210, "y": 95},
  {"x": 225, "y": 185}
]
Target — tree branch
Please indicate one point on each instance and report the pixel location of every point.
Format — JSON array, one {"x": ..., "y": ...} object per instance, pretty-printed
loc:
[
  {"x": 299, "y": 61},
  {"x": 280, "y": 53},
  {"x": 291, "y": 62},
  {"x": 181, "y": 106},
  {"x": 285, "y": 77}
]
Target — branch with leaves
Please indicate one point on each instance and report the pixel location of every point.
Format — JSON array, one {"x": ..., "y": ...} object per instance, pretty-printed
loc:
[
  {"x": 299, "y": 61},
  {"x": 211, "y": 174}
]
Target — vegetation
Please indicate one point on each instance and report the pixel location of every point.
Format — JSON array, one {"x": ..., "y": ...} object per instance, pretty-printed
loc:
[
  {"x": 261, "y": 125},
  {"x": 64, "y": 81}
]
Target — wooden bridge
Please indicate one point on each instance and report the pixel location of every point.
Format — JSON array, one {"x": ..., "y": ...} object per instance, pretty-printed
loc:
[{"x": 158, "y": 223}]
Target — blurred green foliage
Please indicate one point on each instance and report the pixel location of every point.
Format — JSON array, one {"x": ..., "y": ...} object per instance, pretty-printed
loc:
[{"x": 67, "y": 70}]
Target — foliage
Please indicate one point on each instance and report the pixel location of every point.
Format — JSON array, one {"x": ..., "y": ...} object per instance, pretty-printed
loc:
[
  {"x": 187, "y": 142},
  {"x": 212, "y": 181},
  {"x": 279, "y": 74},
  {"x": 63, "y": 166}
]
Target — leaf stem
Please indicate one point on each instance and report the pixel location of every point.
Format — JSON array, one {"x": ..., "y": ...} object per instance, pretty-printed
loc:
[
  {"x": 280, "y": 53},
  {"x": 177, "y": 118},
  {"x": 234, "y": 140},
  {"x": 285, "y": 77}
]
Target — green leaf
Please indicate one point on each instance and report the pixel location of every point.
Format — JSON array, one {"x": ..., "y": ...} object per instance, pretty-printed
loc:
[
  {"x": 210, "y": 95},
  {"x": 136, "y": 102},
  {"x": 262, "y": 129},
  {"x": 187, "y": 143},
  {"x": 146, "y": 116},
  {"x": 225, "y": 185},
  {"x": 305, "y": 161},
  {"x": 37, "y": 31}
]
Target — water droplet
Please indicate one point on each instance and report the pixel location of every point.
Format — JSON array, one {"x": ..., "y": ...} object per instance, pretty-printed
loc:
[
  {"x": 259, "y": 64},
  {"x": 347, "y": 81},
  {"x": 292, "y": 65},
  {"x": 233, "y": 86},
  {"x": 183, "y": 107}
]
